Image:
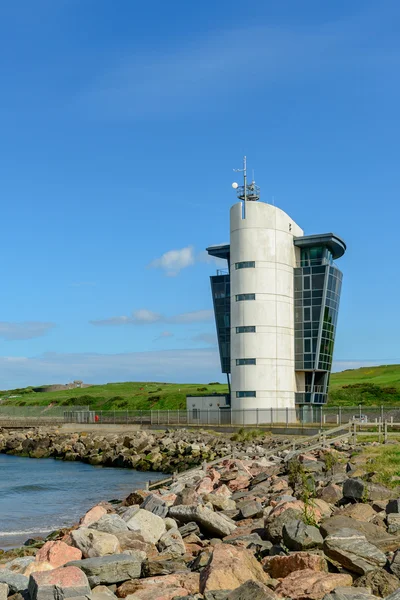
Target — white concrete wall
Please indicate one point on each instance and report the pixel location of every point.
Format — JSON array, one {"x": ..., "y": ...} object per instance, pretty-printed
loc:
[{"x": 266, "y": 237}]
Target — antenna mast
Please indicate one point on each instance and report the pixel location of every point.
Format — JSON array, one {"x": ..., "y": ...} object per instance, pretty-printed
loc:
[{"x": 246, "y": 192}]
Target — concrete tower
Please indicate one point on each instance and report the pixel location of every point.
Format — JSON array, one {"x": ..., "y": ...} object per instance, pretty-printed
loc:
[{"x": 262, "y": 262}]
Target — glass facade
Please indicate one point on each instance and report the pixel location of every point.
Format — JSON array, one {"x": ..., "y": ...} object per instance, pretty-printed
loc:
[
  {"x": 245, "y": 361},
  {"x": 241, "y": 297},
  {"x": 317, "y": 286},
  {"x": 221, "y": 293},
  {"x": 245, "y": 394}
]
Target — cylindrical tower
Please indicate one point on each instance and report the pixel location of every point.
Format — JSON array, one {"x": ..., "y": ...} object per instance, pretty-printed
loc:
[{"x": 262, "y": 259}]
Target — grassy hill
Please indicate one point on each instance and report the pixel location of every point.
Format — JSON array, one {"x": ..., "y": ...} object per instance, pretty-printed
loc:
[{"x": 367, "y": 386}]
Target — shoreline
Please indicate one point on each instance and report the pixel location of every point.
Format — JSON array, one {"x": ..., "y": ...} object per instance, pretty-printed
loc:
[{"x": 259, "y": 527}]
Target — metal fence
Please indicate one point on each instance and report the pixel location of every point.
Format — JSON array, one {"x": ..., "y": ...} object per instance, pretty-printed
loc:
[{"x": 302, "y": 415}]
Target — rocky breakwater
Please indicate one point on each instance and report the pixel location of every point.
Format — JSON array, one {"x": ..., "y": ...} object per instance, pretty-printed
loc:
[
  {"x": 310, "y": 528},
  {"x": 165, "y": 451}
]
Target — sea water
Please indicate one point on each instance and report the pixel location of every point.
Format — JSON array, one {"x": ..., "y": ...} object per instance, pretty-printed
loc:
[{"x": 38, "y": 496}]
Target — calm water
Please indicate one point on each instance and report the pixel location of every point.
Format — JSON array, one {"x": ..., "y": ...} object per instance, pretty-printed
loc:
[{"x": 38, "y": 496}]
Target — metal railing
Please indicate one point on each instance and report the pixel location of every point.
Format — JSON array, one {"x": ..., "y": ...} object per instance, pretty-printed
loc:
[{"x": 303, "y": 415}]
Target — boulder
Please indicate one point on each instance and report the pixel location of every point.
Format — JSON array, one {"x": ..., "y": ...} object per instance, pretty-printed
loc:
[
  {"x": 57, "y": 554},
  {"x": 93, "y": 515},
  {"x": 393, "y": 506},
  {"x": 229, "y": 567},
  {"x": 214, "y": 523},
  {"x": 274, "y": 525},
  {"x": 113, "y": 524},
  {"x": 130, "y": 512},
  {"x": 171, "y": 541},
  {"x": 155, "y": 505},
  {"x": 186, "y": 497},
  {"x": 106, "y": 570},
  {"x": 357, "y": 489},
  {"x": 3, "y": 591},
  {"x": 95, "y": 543},
  {"x": 395, "y": 564},
  {"x": 152, "y": 588},
  {"x": 102, "y": 592},
  {"x": 350, "y": 593},
  {"x": 163, "y": 566},
  {"x": 64, "y": 582},
  {"x": 220, "y": 502},
  {"x": 360, "y": 512},
  {"x": 15, "y": 581},
  {"x": 36, "y": 567},
  {"x": 148, "y": 524},
  {"x": 332, "y": 493},
  {"x": 311, "y": 585},
  {"x": 352, "y": 550},
  {"x": 279, "y": 567},
  {"x": 379, "y": 581},
  {"x": 393, "y": 522},
  {"x": 374, "y": 534},
  {"x": 250, "y": 509},
  {"x": 298, "y": 536},
  {"x": 252, "y": 590},
  {"x": 188, "y": 529}
]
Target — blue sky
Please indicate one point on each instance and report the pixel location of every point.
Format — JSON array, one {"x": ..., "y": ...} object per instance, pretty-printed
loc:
[{"x": 120, "y": 126}]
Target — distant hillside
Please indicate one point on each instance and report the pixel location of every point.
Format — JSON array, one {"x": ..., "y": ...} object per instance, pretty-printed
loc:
[{"x": 367, "y": 386}]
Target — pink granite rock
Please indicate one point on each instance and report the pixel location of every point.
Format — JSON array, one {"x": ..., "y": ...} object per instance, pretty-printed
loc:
[
  {"x": 61, "y": 582},
  {"x": 57, "y": 554},
  {"x": 311, "y": 585},
  {"x": 205, "y": 486},
  {"x": 93, "y": 515}
]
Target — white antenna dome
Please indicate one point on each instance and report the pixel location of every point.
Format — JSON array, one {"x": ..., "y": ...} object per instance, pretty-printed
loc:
[{"x": 235, "y": 185}]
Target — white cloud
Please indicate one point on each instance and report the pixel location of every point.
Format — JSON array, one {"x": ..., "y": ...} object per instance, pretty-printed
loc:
[
  {"x": 25, "y": 330},
  {"x": 173, "y": 261},
  {"x": 187, "y": 365},
  {"x": 144, "y": 316}
]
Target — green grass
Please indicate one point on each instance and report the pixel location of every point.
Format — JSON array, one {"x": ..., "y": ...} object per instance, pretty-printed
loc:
[
  {"x": 116, "y": 396},
  {"x": 369, "y": 386},
  {"x": 384, "y": 461}
]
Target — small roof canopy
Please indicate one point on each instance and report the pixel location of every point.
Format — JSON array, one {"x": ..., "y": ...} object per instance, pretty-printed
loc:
[
  {"x": 329, "y": 240},
  {"x": 221, "y": 251}
]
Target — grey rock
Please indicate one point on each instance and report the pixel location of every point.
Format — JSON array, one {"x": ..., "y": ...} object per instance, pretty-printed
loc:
[
  {"x": 355, "y": 489},
  {"x": 171, "y": 541},
  {"x": 252, "y": 590},
  {"x": 163, "y": 566},
  {"x": 216, "y": 595},
  {"x": 110, "y": 524},
  {"x": 186, "y": 497},
  {"x": 274, "y": 525},
  {"x": 250, "y": 509},
  {"x": 155, "y": 505},
  {"x": 299, "y": 536},
  {"x": 214, "y": 523},
  {"x": 189, "y": 528},
  {"x": 350, "y": 593},
  {"x": 352, "y": 550},
  {"x": 394, "y": 596},
  {"x": 375, "y": 535},
  {"x": 111, "y": 569},
  {"x": 130, "y": 512},
  {"x": 15, "y": 581},
  {"x": 393, "y": 521},
  {"x": 393, "y": 506},
  {"x": 395, "y": 564}
]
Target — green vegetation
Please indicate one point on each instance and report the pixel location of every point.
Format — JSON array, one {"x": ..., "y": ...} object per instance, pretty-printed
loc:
[
  {"x": 384, "y": 462},
  {"x": 116, "y": 396},
  {"x": 246, "y": 435},
  {"x": 369, "y": 386}
]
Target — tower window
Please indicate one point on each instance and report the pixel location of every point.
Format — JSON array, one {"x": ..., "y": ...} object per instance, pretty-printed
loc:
[
  {"x": 245, "y": 361},
  {"x": 240, "y": 297},
  {"x": 246, "y": 329},
  {"x": 245, "y": 394},
  {"x": 247, "y": 264}
]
